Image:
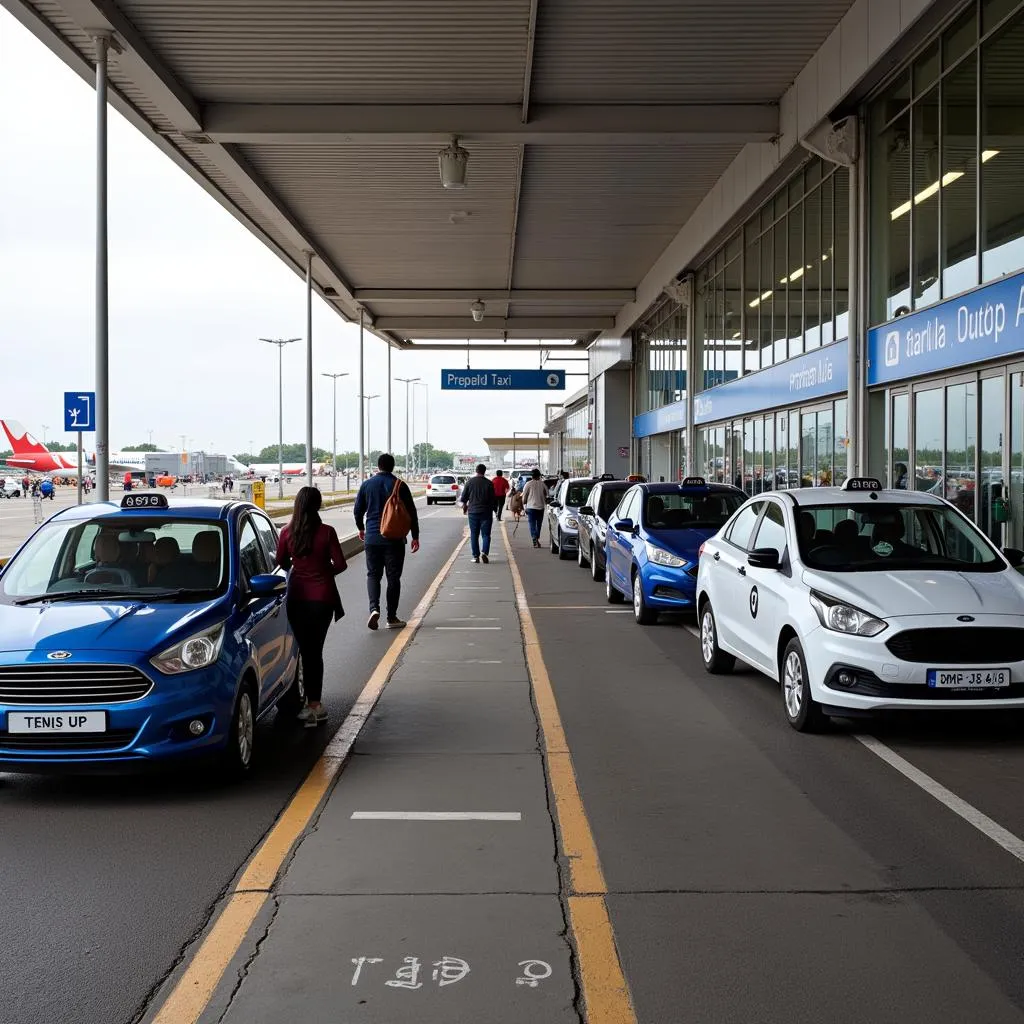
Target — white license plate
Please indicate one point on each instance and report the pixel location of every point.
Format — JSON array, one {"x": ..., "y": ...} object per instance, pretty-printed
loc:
[
  {"x": 968, "y": 678},
  {"x": 56, "y": 721}
]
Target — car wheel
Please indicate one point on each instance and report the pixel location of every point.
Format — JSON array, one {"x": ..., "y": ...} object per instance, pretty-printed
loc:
[
  {"x": 237, "y": 755},
  {"x": 612, "y": 596},
  {"x": 430, "y": 501},
  {"x": 563, "y": 554},
  {"x": 644, "y": 616},
  {"x": 802, "y": 711},
  {"x": 293, "y": 700},
  {"x": 596, "y": 572},
  {"x": 581, "y": 559},
  {"x": 716, "y": 661}
]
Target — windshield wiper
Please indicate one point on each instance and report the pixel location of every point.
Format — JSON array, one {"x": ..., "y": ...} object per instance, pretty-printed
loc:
[
  {"x": 179, "y": 592},
  {"x": 70, "y": 595}
]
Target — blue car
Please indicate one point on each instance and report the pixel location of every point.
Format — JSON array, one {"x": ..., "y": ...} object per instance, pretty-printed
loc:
[
  {"x": 140, "y": 632},
  {"x": 653, "y": 542}
]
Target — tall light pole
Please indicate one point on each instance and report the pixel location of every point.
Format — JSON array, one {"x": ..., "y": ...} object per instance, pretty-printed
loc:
[
  {"x": 407, "y": 381},
  {"x": 45, "y": 429},
  {"x": 369, "y": 450},
  {"x": 334, "y": 447},
  {"x": 280, "y": 343},
  {"x": 426, "y": 436}
]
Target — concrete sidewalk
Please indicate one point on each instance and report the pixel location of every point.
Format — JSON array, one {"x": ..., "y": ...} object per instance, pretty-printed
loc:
[{"x": 385, "y": 916}]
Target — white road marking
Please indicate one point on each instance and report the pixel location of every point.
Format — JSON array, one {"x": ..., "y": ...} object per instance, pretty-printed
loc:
[
  {"x": 982, "y": 822},
  {"x": 478, "y": 588},
  {"x": 437, "y": 815},
  {"x": 474, "y": 618},
  {"x": 619, "y": 611},
  {"x": 456, "y": 628}
]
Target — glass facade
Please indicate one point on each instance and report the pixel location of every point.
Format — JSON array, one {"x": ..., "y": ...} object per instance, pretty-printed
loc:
[
  {"x": 946, "y": 162},
  {"x": 779, "y": 287},
  {"x": 660, "y": 359}
]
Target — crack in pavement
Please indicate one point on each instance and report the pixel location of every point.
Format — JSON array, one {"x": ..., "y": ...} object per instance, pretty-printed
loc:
[{"x": 243, "y": 971}]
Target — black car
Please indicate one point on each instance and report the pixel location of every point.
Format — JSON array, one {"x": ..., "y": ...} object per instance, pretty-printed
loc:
[{"x": 593, "y": 524}]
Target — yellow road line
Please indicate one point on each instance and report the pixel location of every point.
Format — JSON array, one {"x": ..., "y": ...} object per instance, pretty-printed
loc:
[
  {"x": 606, "y": 994},
  {"x": 196, "y": 986}
]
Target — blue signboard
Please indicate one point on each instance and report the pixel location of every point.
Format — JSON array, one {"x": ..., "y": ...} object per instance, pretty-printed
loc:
[
  {"x": 503, "y": 380},
  {"x": 816, "y": 374},
  {"x": 79, "y": 411},
  {"x": 658, "y": 421},
  {"x": 987, "y": 323}
]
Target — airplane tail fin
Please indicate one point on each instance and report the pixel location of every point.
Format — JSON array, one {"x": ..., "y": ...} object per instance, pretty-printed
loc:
[{"x": 21, "y": 441}]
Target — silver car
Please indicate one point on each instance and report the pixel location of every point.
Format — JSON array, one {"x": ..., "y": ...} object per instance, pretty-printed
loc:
[{"x": 563, "y": 514}]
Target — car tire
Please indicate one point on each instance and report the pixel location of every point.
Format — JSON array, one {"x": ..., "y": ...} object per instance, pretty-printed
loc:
[
  {"x": 644, "y": 615},
  {"x": 611, "y": 595},
  {"x": 430, "y": 501},
  {"x": 802, "y": 712},
  {"x": 581, "y": 559},
  {"x": 293, "y": 700},
  {"x": 716, "y": 661},
  {"x": 563, "y": 554},
  {"x": 237, "y": 756},
  {"x": 596, "y": 572}
]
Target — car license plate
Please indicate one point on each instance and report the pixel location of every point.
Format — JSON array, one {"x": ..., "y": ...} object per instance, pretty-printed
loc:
[
  {"x": 56, "y": 721},
  {"x": 968, "y": 678}
]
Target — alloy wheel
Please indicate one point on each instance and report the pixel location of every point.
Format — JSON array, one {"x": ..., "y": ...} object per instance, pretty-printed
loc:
[
  {"x": 793, "y": 684},
  {"x": 245, "y": 727}
]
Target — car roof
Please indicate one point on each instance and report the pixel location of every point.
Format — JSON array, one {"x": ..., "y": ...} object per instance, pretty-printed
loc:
[
  {"x": 676, "y": 488},
  {"x": 186, "y": 508},
  {"x": 810, "y": 497}
]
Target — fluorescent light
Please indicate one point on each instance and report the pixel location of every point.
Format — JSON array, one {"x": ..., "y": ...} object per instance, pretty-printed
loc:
[
  {"x": 926, "y": 193},
  {"x": 757, "y": 302},
  {"x": 987, "y": 155}
]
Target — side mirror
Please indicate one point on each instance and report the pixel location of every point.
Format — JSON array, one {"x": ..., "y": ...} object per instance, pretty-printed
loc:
[
  {"x": 625, "y": 526},
  {"x": 1014, "y": 556},
  {"x": 764, "y": 558},
  {"x": 586, "y": 510},
  {"x": 554, "y": 504},
  {"x": 267, "y": 584}
]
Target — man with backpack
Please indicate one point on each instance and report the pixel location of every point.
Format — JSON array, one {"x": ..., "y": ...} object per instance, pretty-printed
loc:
[{"x": 385, "y": 513}]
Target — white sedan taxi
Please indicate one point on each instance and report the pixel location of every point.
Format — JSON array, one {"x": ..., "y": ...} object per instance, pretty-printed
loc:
[{"x": 858, "y": 599}]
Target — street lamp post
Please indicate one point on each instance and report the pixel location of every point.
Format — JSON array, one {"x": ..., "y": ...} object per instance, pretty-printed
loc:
[
  {"x": 407, "y": 381},
  {"x": 280, "y": 343},
  {"x": 334, "y": 446},
  {"x": 426, "y": 432},
  {"x": 369, "y": 449}
]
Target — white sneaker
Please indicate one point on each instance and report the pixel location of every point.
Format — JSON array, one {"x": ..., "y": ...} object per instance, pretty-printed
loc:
[
  {"x": 373, "y": 620},
  {"x": 307, "y": 716},
  {"x": 397, "y": 624}
]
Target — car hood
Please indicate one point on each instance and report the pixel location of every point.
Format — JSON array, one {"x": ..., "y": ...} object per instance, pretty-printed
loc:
[
  {"x": 684, "y": 542},
  {"x": 98, "y": 626},
  {"x": 923, "y": 592}
]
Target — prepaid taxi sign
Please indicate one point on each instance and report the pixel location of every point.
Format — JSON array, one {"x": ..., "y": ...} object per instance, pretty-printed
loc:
[{"x": 503, "y": 380}]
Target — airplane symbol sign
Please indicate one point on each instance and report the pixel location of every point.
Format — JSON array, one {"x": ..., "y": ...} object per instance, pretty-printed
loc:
[{"x": 79, "y": 411}]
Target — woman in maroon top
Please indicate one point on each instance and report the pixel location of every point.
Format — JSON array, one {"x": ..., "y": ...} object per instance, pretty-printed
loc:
[{"x": 311, "y": 550}]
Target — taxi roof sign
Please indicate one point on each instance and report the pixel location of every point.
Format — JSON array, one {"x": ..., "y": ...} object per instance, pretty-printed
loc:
[
  {"x": 861, "y": 483},
  {"x": 694, "y": 481},
  {"x": 145, "y": 501}
]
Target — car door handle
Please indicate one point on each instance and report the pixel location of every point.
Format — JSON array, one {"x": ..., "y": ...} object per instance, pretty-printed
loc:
[
  {"x": 742, "y": 570},
  {"x": 717, "y": 557}
]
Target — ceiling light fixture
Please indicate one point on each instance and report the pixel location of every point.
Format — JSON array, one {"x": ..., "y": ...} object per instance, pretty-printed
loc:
[
  {"x": 477, "y": 308},
  {"x": 451, "y": 163}
]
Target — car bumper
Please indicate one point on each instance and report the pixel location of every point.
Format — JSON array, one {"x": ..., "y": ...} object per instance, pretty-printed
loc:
[
  {"x": 884, "y": 682},
  {"x": 151, "y": 729},
  {"x": 668, "y": 589}
]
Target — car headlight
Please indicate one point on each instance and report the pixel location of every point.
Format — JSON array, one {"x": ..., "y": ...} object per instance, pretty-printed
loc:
[
  {"x": 198, "y": 651},
  {"x": 841, "y": 617},
  {"x": 659, "y": 556},
  {"x": 572, "y": 522}
]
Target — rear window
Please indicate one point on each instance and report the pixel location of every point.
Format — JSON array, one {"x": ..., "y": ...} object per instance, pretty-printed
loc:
[
  {"x": 682, "y": 511},
  {"x": 442, "y": 479}
]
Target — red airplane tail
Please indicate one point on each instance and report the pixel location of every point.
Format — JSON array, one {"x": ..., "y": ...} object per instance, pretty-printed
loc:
[{"x": 21, "y": 441}]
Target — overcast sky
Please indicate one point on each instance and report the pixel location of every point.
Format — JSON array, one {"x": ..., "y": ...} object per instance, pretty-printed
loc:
[{"x": 190, "y": 292}]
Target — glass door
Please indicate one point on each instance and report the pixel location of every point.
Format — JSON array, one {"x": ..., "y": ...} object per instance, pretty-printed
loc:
[
  {"x": 991, "y": 484},
  {"x": 1016, "y": 524}
]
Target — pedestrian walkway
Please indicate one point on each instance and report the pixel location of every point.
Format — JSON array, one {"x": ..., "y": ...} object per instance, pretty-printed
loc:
[{"x": 428, "y": 886}]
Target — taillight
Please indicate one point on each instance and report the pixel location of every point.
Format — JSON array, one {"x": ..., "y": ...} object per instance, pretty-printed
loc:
[{"x": 455, "y": 487}]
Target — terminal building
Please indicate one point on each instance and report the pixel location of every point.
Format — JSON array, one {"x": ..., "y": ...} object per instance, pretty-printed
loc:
[{"x": 849, "y": 295}]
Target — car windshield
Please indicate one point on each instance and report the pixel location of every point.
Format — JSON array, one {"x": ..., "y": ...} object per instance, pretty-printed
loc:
[
  {"x": 610, "y": 498},
  {"x": 578, "y": 492},
  {"x": 876, "y": 537},
  {"x": 678, "y": 511},
  {"x": 442, "y": 479},
  {"x": 144, "y": 559}
]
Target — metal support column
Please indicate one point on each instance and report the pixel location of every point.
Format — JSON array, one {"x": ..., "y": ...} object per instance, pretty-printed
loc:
[
  {"x": 102, "y": 291},
  {"x": 391, "y": 389},
  {"x": 426, "y": 427},
  {"x": 362, "y": 402},
  {"x": 309, "y": 368},
  {"x": 79, "y": 468}
]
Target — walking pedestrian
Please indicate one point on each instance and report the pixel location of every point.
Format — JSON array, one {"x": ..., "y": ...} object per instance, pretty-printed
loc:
[
  {"x": 501, "y": 489},
  {"x": 535, "y": 497},
  {"x": 384, "y": 556},
  {"x": 478, "y": 501},
  {"x": 310, "y": 549}
]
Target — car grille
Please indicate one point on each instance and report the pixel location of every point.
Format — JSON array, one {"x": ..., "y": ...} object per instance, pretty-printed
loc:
[
  {"x": 68, "y": 685},
  {"x": 968, "y": 645},
  {"x": 112, "y": 739}
]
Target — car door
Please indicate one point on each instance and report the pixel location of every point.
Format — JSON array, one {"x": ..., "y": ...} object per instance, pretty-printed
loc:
[
  {"x": 766, "y": 591},
  {"x": 268, "y": 537},
  {"x": 265, "y": 623},
  {"x": 619, "y": 544},
  {"x": 730, "y": 587},
  {"x": 555, "y": 503},
  {"x": 587, "y": 523}
]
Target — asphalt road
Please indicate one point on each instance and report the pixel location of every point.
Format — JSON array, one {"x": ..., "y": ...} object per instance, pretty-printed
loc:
[
  {"x": 105, "y": 880},
  {"x": 756, "y": 874}
]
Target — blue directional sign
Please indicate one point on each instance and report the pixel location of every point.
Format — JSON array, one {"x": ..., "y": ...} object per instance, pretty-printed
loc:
[
  {"x": 503, "y": 380},
  {"x": 79, "y": 411}
]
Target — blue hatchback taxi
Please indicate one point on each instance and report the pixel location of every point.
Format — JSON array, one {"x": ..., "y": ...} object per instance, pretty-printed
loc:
[
  {"x": 653, "y": 542},
  {"x": 139, "y": 632}
]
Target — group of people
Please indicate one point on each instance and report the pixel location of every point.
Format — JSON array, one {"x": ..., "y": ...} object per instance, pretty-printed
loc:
[{"x": 483, "y": 501}]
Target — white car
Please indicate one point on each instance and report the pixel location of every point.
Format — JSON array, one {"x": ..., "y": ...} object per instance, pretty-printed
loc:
[
  {"x": 442, "y": 487},
  {"x": 858, "y": 599}
]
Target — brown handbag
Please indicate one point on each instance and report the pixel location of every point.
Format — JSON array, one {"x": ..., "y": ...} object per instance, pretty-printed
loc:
[{"x": 395, "y": 521}]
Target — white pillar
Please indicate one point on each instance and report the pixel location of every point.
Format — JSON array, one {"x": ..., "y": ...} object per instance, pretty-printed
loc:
[
  {"x": 362, "y": 402},
  {"x": 309, "y": 368},
  {"x": 102, "y": 307}
]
